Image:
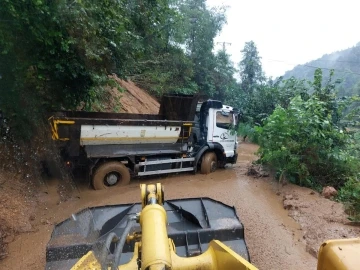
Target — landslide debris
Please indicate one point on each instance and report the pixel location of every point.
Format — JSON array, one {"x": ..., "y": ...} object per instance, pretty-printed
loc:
[{"x": 127, "y": 98}]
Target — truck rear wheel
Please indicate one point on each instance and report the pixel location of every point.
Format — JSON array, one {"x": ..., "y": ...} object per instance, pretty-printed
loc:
[
  {"x": 111, "y": 174},
  {"x": 208, "y": 163}
]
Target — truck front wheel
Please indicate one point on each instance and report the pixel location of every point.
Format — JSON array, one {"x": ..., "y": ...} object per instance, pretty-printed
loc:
[
  {"x": 111, "y": 174},
  {"x": 208, "y": 163}
]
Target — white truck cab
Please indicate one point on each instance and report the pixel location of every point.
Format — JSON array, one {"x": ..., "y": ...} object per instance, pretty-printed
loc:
[
  {"x": 221, "y": 128},
  {"x": 215, "y": 128}
]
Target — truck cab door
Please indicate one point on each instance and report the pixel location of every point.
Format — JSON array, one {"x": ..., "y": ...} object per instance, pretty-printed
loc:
[{"x": 221, "y": 131}]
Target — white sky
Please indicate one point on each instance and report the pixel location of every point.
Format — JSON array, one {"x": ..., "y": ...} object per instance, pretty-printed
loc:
[{"x": 291, "y": 31}]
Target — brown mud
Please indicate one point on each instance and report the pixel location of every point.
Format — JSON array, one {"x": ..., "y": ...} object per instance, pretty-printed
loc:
[{"x": 275, "y": 239}]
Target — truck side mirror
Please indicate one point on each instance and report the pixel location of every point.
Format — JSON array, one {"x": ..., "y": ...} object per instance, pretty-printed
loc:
[{"x": 237, "y": 114}]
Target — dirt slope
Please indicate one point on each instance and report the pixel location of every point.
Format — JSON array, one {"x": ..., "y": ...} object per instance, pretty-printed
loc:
[
  {"x": 319, "y": 218},
  {"x": 136, "y": 100},
  {"x": 132, "y": 100}
]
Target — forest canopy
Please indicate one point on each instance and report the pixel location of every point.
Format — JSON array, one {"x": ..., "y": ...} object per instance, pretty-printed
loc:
[{"x": 56, "y": 54}]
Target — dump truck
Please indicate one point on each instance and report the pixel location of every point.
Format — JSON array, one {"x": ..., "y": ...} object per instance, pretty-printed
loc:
[
  {"x": 196, "y": 233},
  {"x": 185, "y": 136}
]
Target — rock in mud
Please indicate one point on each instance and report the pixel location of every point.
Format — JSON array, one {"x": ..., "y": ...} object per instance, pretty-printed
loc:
[
  {"x": 329, "y": 192},
  {"x": 9, "y": 238},
  {"x": 288, "y": 197},
  {"x": 288, "y": 204},
  {"x": 312, "y": 251},
  {"x": 257, "y": 170},
  {"x": 24, "y": 227}
]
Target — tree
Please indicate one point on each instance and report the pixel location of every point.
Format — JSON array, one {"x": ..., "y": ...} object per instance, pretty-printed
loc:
[
  {"x": 178, "y": 56},
  {"x": 56, "y": 54},
  {"x": 223, "y": 76},
  {"x": 251, "y": 73},
  {"x": 162, "y": 64},
  {"x": 200, "y": 26}
]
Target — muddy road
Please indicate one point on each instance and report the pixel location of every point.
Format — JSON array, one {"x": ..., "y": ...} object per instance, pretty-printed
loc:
[{"x": 274, "y": 239}]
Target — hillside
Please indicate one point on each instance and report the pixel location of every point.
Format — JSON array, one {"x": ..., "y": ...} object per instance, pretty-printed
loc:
[
  {"x": 135, "y": 99},
  {"x": 126, "y": 98},
  {"x": 346, "y": 64}
]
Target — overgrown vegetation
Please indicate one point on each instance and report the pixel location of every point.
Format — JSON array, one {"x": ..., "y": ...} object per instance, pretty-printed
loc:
[
  {"x": 350, "y": 195},
  {"x": 303, "y": 128},
  {"x": 56, "y": 54},
  {"x": 305, "y": 143}
]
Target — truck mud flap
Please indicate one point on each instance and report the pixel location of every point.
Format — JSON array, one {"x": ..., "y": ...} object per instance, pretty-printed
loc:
[{"x": 192, "y": 224}]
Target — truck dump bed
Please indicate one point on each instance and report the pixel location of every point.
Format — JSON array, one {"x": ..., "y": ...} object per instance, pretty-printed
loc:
[{"x": 192, "y": 224}]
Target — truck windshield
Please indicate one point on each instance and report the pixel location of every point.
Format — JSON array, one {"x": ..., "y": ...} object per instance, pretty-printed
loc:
[{"x": 224, "y": 120}]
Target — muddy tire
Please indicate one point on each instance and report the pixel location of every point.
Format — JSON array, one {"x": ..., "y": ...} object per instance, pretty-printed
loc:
[
  {"x": 208, "y": 163},
  {"x": 111, "y": 174}
]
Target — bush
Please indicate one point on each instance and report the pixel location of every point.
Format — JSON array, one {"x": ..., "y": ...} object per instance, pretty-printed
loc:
[
  {"x": 247, "y": 130},
  {"x": 350, "y": 194},
  {"x": 303, "y": 144}
]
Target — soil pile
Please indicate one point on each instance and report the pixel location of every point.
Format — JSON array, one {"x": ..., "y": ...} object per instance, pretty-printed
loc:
[
  {"x": 136, "y": 100},
  {"x": 320, "y": 219},
  {"x": 131, "y": 99}
]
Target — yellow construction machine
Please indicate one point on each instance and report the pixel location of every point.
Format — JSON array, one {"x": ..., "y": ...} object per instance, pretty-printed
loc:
[{"x": 197, "y": 233}]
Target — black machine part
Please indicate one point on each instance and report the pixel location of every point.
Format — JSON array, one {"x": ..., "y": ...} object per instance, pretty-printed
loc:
[
  {"x": 192, "y": 224},
  {"x": 178, "y": 107}
]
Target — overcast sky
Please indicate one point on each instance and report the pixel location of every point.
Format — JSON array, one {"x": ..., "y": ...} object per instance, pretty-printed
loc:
[{"x": 289, "y": 32}]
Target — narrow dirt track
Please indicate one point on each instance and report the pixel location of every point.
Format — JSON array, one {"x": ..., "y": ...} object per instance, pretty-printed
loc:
[{"x": 272, "y": 236}]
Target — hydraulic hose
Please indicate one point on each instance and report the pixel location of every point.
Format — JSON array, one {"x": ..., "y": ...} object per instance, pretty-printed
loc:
[
  {"x": 106, "y": 247},
  {"x": 120, "y": 245}
]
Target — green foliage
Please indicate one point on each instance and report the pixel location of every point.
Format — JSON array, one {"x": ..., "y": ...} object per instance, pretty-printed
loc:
[
  {"x": 350, "y": 195},
  {"x": 189, "y": 25},
  {"x": 305, "y": 141},
  {"x": 258, "y": 104},
  {"x": 56, "y": 54},
  {"x": 250, "y": 68},
  {"x": 223, "y": 76},
  {"x": 247, "y": 130},
  {"x": 306, "y": 132},
  {"x": 200, "y": 26},
  {"x": 171, "y": 72},
  {"x": 263, "y": 99},
  {"x": 257, "y": 97}
]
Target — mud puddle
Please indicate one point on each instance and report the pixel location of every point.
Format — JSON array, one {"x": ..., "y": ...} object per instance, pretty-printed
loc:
[{"x": 274, "y": 239}]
